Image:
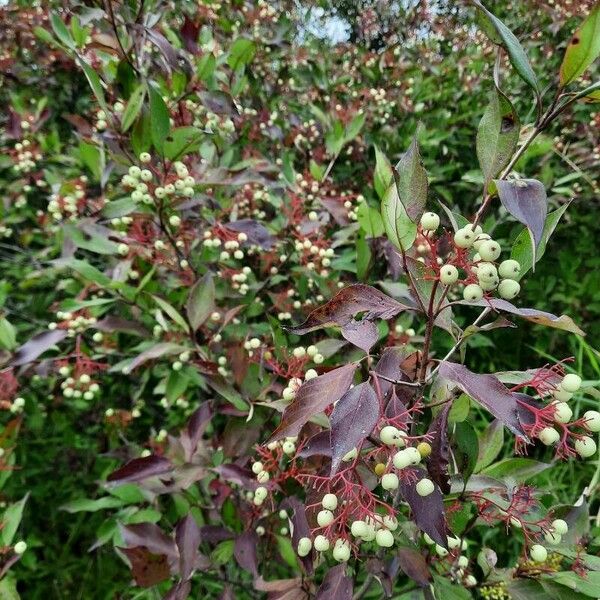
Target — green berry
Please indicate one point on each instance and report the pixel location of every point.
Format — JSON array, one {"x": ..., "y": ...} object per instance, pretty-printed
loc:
[
  {"x": 321, "y": 543},
  {"x": 509, "y": 269},
  {"x": 538, "y": 553},
  {"x": 560, "y": 526},
  {"x": 553, "y": 538},
  {"x": 384, "y": 538},
  {"x": 473, "y": 292},
  {"x": 448, "y": 274},
  {"x": 464, "y": 238},
  {"x": 486, "y": 272},
  {"x": 508, "y": 289},
  {"x": 592, "y": 420},
  {"x": 325, "y": 517},
  {"x": 341, "y": 550},
  {"x": 489, "y": 250},
  {"x": 548, "y": 436},
  {"x": 571, "y": 383},
  {"x": 304, "y": 546},
  {"x": 585, "y": 446},
  {"x": 430, "y": 221},
  {"x": 563, "y": 412},
  {"x": 425, "y": 487},
  {"x": 401, "y": 459},
  {"x": 359, "y": 529},
  {"x": 329, "y": 501},
  {"x": 390, "y": 481}
]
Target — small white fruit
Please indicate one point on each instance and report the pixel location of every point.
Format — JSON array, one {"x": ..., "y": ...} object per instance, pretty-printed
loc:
[
  {"x": 304, "y": 546},
  {"x": 359, "y": 529},
  {"x": 563, "y": 412},
  {"x": 548, "y": 436},
  {"x": 489, "y": 250},
  {"x": 384, "y": 538},
  {"x": 321, "y": 543},
  {"x": 473, "y": 292},
  {"x": 571, "y": 383},
  {"x": 585, "y": 446},
  {"x": 425, "y": 487},
  {"x": 560, "y": 526},
  {"x": 538, "y": 553},
  {"x": 430, "y": 221},
  {"x": 448, "y": 274},
  {"x": 553, "y": 538},
  {"x": 508, "y": 289},
  {"x": 509, "y": 269},
  {"x": 341, "y": 550},
  {"x": 325, "y": 517},
  {"x": 390, "y": 481},
  {"x": 329, "y": 501},
  {"x": 464, "y": 238},
  {"x": 592, "y": 420}
]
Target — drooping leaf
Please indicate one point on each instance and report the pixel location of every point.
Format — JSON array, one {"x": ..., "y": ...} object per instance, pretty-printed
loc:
[
  {"x": 159, "y": 119},
  {"x": 156, "y": 351},
  {"x": 383, "y": 176},
  {"x": 427, "y": 511},
  {"x": 363, "y": 334},
  {"x": 336, "y": 585},
  {"x": 487, "y": 391},
  {"x": 36, "y": 346},
  {"x": 257, "y": 233},
  {"x": 245, "y": 551},
  {"x": 412, "y": 182},
  {"x": 437, "y": 464},
  {"x": 187, "y": 538},
  {"x": 511, "y": 44},
  {"x": 148, "y": 569},
  {"x": 583, "y": 49},
  {"x": 313, "y": 397},
  {"x": 353, "y": 418},
  {"x": 138, "y": 469},
  {"x": 134, "y": 105},
  {"x": 518, "y": 468},
  {"x": 369, "y": 219},
  {"x": 349, "y": 301},
  {"x": 201, "y": 301},
  {"x": 525, "y": 200},
  {"x": 400, "y": 230},
  {"x": 413, "y": 563},
  {"x": 497, "y": 135}
]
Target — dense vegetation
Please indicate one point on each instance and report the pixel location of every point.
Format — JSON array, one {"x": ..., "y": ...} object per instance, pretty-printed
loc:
[{"x": 263, "y": 311}]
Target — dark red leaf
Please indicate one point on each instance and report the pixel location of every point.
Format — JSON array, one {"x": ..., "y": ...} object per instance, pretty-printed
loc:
[
  {"x": 414, "y": 565},
  {"x": 363, "y": 334},
  {"x": 336, "y": 585},
  {"x": 196, "y": 425},
  {"x": 149, "y": 536},
  {"x": 257, "y": 233},
  {"x": 245, "y": 552},
  {"x": 340, "y": 310},
  {"x": 525, "y": 200},
  {"x": 112, "y": 323},
  {"x": 37, "y": 345},
  {"x": 187, "y": 538},
  {"x": 189, "y": 34},
  {"x": 314, "y": 397},
  {"x": 318, "y": 445},
  {"x": 213, "y": 534},
  {"x": 300, "y": 526},
  {"x": 141, "y": 468},
  {"x": 389, "y": 366},
  {"x": 427, "y": 511},
  {"x": 397, "y": 406},
  {"x": 147, "y": 569},
  {"x": 437, "y": 463},
  {"x": 352, "y": 420},
  {"x": 236, "y": 474},
  {"x": 488, "y": 391}
]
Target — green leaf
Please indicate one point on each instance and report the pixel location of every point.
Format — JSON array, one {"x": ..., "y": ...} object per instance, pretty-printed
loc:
[
  {"x": 134, "y": 105},
  {"x": 177, "y": 383},
  {"x": 201, "y": 301},
  {"x": 511, "y": 44},
  {"x": 400, "y": 229},
  {"x": 8, "y": 336},
  {"x": 519, "y": 469},
  {"x": 363, "y": 257},
  {"x": 588, "y": 585},
  {"x": 87, "y": 271},
  {"x": 583, "y": 49},
  {"x": 497, "y": 135},
  {"x": 460, "y": 409},
  {"x": 353, "y": 128},
  {"x": 141, "y": 135},
  {"x": 466, "y": 449},
  {"x": 95, "y": 84},
  {"x": 241, "y": 53},
  {"x": 223, "y": 552},
  {"x": 92, "y": 158},
  {"x": 159, "y": 119},
  {"x": 10, "y": 521},
  {"x": 88, "y": 505},
  {"x": 284, "y": 545},
  {"x": 445, "y": 590},
  {"x": 90, "y": 240},
  {"x": 182, "y": 141},
  {"x": 522, "y": 250},
  {"x": 490, "y": 445},
  {"x": 228, "y": 392},
  {"x": 8, "y": 589},
  {"x": 61, "y": 31},
  {"x": 383, "y": 176},
  {"x": 412, "y": 182},
  {"x": 172, "y": 312},
  {"x": 369, "y": 218}
]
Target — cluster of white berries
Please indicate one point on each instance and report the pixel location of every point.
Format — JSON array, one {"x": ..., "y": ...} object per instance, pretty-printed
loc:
[
  {"x": 25, "y": 157},
  {"x": 66, "y": 207},
  {"x": 310, "y": 352},
  {"x": 584, "y": 445},
  {"x": 316, "y": 257},
  {"x": 490, "y": 277},
  {"x": 399, "y": 329},
  {"x": 208, "y": 120},
  {"x": 461, "y": 561},
  {"x": 381, "y": 106},
  {"x": 553, "y": 536},
  {"x": 17, "y": 405},
  {"x": 75, "y": 324},
  {"x": 80, "y": 387},
  {"x": 183, "y": 358}
]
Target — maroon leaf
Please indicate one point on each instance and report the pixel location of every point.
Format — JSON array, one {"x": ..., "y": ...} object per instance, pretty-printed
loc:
[
  {"x": 236, "y": 474},
  {"x": 314, "y": 397},
  {"x": 196, "y": 425},
  {"x": 141, "y": 468},
  {"x": 213, "y": 534},
  {"x": 352, "y": 420},
  {"x": 156, "y": 351},
  {"x": 414, "y": 565},
  {"x": 525, "y": 200},
  {"x": 257, "y": 233},
  {"x": 397, "y": 406},
  {"x": 147, "y": 569},
  {"x": 437, "y": 463},
  {"x": 531, "y": 314},
  {"x": 488, "y": 391},
  {"x": 187, "y": 537},
  {"x": 318, "y": 445},
  {"x": 340, "y": 310},
  {"x": 281, "y": 589},
  {"x": 37, "y": 345},
  {"x": 336, "y": 585},
  {"x": 149, "y": 536},
  {"x": 389, "y": 366},
  {"x": 164, "y": 46},
  {"x": 427, "y": 511},
  {"x": 189, "y": 34},
  {"x": 300, "y": 526},
  {"x": 245, "y": 551},
  {"x": 112, "y": 323},
  {"x": 363, "y": 334}
]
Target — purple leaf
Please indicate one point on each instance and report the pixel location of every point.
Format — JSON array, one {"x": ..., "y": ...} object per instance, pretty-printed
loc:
[
  {"x": 156, "y": 351},
  {"x": 427, "y": 511},
  {"x": 437, "y": 464},
  {"x": 314, "y": 397},
  {"x": 340, "y": 310},
  {"x": 389, "y": 366},
  {"x": 236, "y": 474},
  {"x": 488, "y": 391},
  {"x": 141, "y": 468},
  {"x": 213, "y": 534},
  {"x": 257, "y": 233},
  {"x": 414, "y": 565},
  {"x": 189, "y": 34},
  {"x": 318, "y": 445},
  {"x": 194, "y": 429},
  {"x": 37, "y": 345},
  {"x": 112, "y": 323},
  {"x": 164, "y": 46},
  {"x": 149, "y": 536},
  {"x": 363, "y": 334},
  {"x": 245, "y": 551},
  {"x": 530, "y": 314},
  {"x": 180, "y": 591},
  {"x": 336, "y": 585},
  {"x": 525, "y": 200},
  {"x": 187, "y": 538},
  {"x": 352, "y": 420},
  {"x": 300, "y": 526}
]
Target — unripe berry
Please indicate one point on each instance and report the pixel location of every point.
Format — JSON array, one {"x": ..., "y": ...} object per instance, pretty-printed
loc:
[
  {"x": 310, "y": 374},
  {"x": 571, "y": 383},
  {"x": 20, "y": 547},
  {"x": 549, "y": 436},
  {"x": 481, "y": 237},
  {"x": 553, "y": 538},
  {"x": 462, "y": 562},
  {"x": 304, "y": 546},
  {"x": 145, "y": 157},
  {"x": 561, "y": 395},
  {"x": 585, "y": 446},
  {"x": 350, "y": 455},
  {"x": 592, "y": 420},
  {"x": 359, "y": 529},
  {"x": 428, "y": 540},
  {"x": 379, "y": 469},
  {"x": 509, "y": 269},
  {"x": 486, "y": 271},
  {"x": 489, "y": 250},
  {"x": 174, "y": 220},
  {"x": 424, "y": 449},
  {"x": 390, "y": 481},
  {"x": 508, "y": 289},
  {"x": 289, "y": 448},
  {"x": 321, "y": 543},
  {"x": 470, "y": 581},
  {"x": 430, "y": 221},
  {"x": 560, "y": 526},
  {"x": 464, "y": 238},
  {"x": 261, "y": 492},
  {"x": 538, "y": 553},
  {"x": 329, "y": 501},
  {"x": 473, "y": 292},
  {"x": 318, "y": 359},
  {"x": 324, "y": 518},
  {"x": 413, "y": 455},
  {"x": 448, "y": 274},
  {"x": 401, "y": 459},
  {"x": 263, "y": 477},
  {"x": 425, "y": 487},
  {"x": 391, "y": 436},
  {"x": 341, "y": 550},
  {"x": 123, "y": 249},
  {"x": 384, "y": 538},
  {"x": 453, "y": 542},
  {"x": 441, "y": 551},
  {"x": 563, "y": 412}
]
